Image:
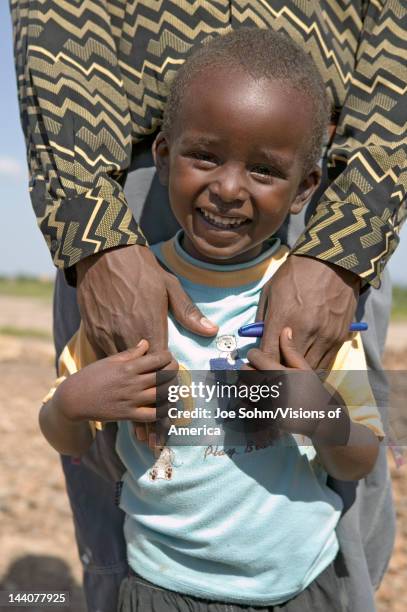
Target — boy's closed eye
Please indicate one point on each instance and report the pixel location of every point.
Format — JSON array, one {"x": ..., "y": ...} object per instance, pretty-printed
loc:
[
  {"x": 267, "y": 173},
  {"x": 208, "y": 160},
  {"x": 204, "y": 159}
]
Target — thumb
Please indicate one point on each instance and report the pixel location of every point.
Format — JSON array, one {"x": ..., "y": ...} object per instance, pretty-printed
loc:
[
  {"x": 134, "y": 352},
  {"x": 291, "y": 356},
  {"x": 186, "y": 312}
]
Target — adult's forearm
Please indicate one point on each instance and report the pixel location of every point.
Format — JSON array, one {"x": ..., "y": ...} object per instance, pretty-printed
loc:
[
  {"x": 352, "y": 237},
  {"x": 77, "y": 127},
  {"x": 358, "y": 221}
]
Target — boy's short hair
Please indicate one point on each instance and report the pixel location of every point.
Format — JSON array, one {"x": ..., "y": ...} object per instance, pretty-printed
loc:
[{"x": 262, "y": 53}]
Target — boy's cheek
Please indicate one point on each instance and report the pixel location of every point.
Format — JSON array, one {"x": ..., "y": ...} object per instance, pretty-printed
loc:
[{"x": 184, "y": 179}]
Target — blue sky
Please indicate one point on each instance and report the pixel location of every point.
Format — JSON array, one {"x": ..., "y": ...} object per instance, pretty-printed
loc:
[{"x": 22, "y": 248}]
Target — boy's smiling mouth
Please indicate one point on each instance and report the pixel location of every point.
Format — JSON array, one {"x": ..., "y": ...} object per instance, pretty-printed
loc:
[{"x": 225, "y": 222}]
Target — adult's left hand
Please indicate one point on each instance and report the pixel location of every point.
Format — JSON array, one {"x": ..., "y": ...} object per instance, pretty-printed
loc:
[{"x": 317, "y": 300}]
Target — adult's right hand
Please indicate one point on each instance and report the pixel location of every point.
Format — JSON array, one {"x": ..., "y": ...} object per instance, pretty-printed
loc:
[{"x": 124, "y": 296}]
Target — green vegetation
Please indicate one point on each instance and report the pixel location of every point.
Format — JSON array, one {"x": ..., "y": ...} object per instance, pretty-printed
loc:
[
  {"x": 399, "y": 310},
  {"x": 26, "y": 286},
  {"x": 25, "y": 332}
]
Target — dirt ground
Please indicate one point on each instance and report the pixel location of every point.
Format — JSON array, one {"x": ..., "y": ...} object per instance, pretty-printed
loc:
[{"x": 37, "y": 541}]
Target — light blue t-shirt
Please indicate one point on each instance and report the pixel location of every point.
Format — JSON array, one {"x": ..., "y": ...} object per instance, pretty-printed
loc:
[{"x": 240, "y": 524}]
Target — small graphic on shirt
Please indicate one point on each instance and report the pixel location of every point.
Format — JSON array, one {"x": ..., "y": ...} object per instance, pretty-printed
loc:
[
  {"x": 163, "y": 468},
  {"x": 228, "y": 356}
]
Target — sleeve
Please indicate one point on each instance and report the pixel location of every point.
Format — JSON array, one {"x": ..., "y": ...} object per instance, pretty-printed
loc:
[
  {"x": 77, "y": 354},
  {"x": 357, "y": 222},
  {"x": 349, "y": 377},
  {"x": 77, "y": 125}
]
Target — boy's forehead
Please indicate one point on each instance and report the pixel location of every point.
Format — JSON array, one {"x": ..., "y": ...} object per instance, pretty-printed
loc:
[
  {"x": 210, "y": 86},
  {"x": 215, "y": 101},
  {"x": 217, "y": 83}
]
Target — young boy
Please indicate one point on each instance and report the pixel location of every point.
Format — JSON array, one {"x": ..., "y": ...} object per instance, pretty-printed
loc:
[{"x": 223, "y": 531}]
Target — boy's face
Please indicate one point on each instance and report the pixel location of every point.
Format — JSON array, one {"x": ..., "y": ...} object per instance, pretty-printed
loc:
[{"x": 233, "y": 163}]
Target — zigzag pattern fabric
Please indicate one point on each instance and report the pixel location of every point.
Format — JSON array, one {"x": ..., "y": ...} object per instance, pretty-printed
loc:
[{"x": 93, "y": 77}]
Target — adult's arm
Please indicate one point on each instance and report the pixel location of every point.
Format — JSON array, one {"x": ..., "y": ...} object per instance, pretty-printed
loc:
[
  {"x": 77, "y": 123},
  {"x": 357, "y": 222},
  {"x": 356, "y": 225}
]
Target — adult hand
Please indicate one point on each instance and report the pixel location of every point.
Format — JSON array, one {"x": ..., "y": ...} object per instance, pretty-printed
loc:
[
  {"x": 124, "y": 295},
  {"x": 316, "y": 300}
]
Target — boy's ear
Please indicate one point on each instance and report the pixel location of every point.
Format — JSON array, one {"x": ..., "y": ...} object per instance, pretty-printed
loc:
[
  {"x": 161, "y": 155},
  {"x": 306, "y": 190}
]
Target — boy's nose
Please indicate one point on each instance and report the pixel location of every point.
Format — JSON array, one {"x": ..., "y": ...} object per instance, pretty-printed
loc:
[{"x": 229, "y": 185}]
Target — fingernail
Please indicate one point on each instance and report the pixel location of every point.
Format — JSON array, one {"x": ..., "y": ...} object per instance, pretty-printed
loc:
[
  {"x": 290, "y": 333},
  {"x": 206, "y": 323},
  {"x": 141, "y": 341}
]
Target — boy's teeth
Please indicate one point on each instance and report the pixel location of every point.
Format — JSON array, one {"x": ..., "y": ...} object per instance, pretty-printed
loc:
[{"x": 227, "y": 222}]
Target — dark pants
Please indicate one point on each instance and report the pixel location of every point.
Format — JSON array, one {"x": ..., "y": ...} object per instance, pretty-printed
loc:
[
  {"x": 327, "y": 593},
  {"x": 366, "y": 531}
]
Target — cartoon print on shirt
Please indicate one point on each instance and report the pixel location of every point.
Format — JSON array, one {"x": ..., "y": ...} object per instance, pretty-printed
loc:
[
  {"x": 163, "y": 468},
  {"x": 228, "y": 358},
  {"x": 227, "y": 347}
]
